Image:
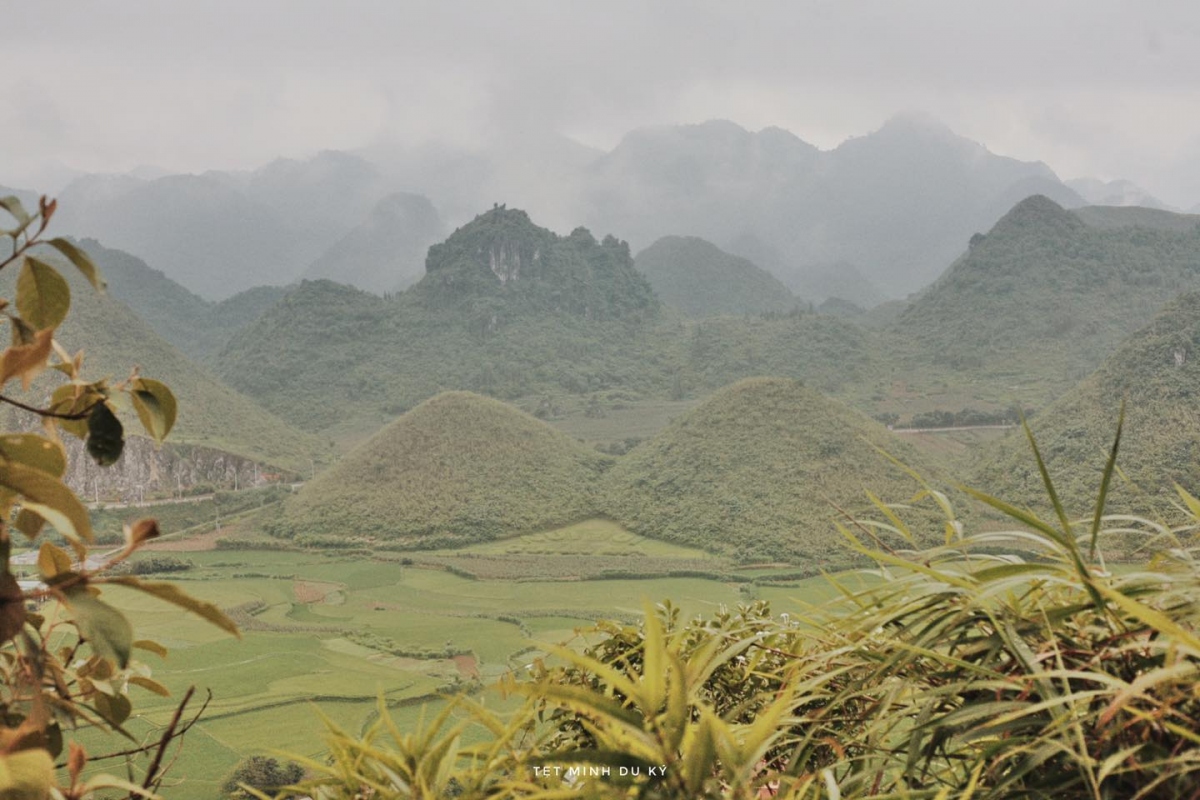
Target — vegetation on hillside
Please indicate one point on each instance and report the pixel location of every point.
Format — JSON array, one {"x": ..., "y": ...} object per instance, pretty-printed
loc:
[
  {"x": 458, "y": 468},
  {"x": 196, "y": 327},
  {"x": 758, "y": 471},
  {"x": 578, "y": 320},
  {"x": 702, "y": 280},
  {"x": 1043, "y": 298},
  {"x": 1155, "y": 374}
]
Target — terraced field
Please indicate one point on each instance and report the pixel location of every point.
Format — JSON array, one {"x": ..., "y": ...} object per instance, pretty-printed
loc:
[{"x": 332, "y": 633}]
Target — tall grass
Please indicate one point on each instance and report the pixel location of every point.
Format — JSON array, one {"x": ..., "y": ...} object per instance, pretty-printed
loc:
[{"x": 997, "y": 664}]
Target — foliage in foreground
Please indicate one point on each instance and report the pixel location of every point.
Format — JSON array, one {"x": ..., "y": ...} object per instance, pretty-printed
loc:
[
  {"x": 994, "y": 665},
  {"x": 67, "y": 658}
]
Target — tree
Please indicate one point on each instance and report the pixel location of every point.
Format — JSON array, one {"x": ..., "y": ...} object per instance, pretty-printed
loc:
[{"x": 69, "y": 665}]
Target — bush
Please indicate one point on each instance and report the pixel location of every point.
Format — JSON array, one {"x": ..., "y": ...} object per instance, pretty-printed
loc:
[{"x": 262, "y": 774}]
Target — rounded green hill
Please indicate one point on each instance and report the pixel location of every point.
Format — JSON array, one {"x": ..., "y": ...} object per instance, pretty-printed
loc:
[
  {"x": 458, "y": 468},
  {"x": 758, "y": 470}
]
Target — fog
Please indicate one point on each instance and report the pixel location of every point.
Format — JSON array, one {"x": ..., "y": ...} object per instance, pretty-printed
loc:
[{"x": 1101, "y": 89}]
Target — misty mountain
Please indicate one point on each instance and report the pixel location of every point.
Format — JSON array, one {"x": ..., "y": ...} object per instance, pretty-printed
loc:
[
  {"x": 897, "y": 204},
  {"x": 200, "y": 231},
  {"x": 387, "y": 251},
  {"x": 1048, "y": 293},
  {"x": 320, "y": 198},
  {"x": 702, "y": 280},
  {"x": 197, "y": 327},
  {"x": 1114, "y": 193}
]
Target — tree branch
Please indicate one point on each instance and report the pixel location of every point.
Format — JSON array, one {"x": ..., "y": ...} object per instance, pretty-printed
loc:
[{"x": 41, "y": 412}]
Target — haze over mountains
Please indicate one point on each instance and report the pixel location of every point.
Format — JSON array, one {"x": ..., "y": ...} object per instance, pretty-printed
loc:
[
  {"x": 878, "y": 216},
  {"x": 328, "y": 292}
]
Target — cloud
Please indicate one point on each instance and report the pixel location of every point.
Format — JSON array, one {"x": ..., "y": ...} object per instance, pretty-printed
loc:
[{"x": 1102, "y": 87}]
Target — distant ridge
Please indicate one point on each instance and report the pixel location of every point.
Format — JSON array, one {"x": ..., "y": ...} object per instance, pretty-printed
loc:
[
  {"x": 702, "y": 280},
  {"x": 386, "y": 251},
  {"x": 458, "y": 468}
]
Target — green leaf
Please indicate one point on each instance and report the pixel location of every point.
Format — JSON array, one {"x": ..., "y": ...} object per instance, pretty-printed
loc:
[
  {"x": 81, "y": 260},
  {"x": 47, "y": 497},
  {"x": 26, "y": 775},
  {"x": 106, "y": 436},
  {"x": 43, "y": 296},
  {"x": 1104, "y": 483},
  {"x": 155, "y": 405},
  {"x": 115, "y": 709},
  {"x": 107, "y": 629},
  {"x": 13, "y": 206},
  {"x": 34, "y": 451},
  {"x": 171, "y": 593}
]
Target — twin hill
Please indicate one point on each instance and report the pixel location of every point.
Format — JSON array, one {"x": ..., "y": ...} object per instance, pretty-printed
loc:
[
  {"x": 700, "y": 279},
  {"x": 758, "y": 471},
  {"x": 1157, "y": 373},
  {"x": 456, "y": 469}
]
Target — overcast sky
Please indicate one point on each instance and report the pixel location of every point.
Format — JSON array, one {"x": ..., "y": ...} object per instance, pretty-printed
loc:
[{"x": 1092, "y": 87}]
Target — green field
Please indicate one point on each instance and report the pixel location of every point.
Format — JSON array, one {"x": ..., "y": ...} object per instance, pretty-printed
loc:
[{"x": 313, "y": 625}]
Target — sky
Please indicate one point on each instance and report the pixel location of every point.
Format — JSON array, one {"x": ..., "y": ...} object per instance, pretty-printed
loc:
[{"x": 1097, "y": 88}]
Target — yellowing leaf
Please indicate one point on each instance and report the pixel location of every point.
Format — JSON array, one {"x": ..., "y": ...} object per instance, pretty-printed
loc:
[
  {"x": 47, "y": 497},
  {"x": 26, "y": 361},
  {"x": 150, "y": 685},
  {"x": 171, "y": 593},
  {"x": 81, "y": 260},
  {"x": 53, "y": 561},
  {"x": 26, "y": 775},
  {"x": 155, "y": 406},
  {"x": 151, "y": 646},
  {"x": 43, "y": 296},
  {"x": 34, "y": 451}
]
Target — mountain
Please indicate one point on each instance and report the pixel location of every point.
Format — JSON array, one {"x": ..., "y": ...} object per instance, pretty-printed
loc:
[
  {"x": 756, "y": 471},
  {"x": 505, "y": 307},
  {"x": 115, "y": 339},
  {"x": 702, "y": 280},
  {"x": 387, "y": 251},
  {"x": 458, "y": 468},
  {"x": 1114, "y": 193},
  {"x": 897, "y": 204},
  {"x": 1137, "y": 217},
  {"x": 201, "y": 232},
  {"x": 1038, "y": 302},
  {"x": 1156, "y": 371},
  {"x": 197, "y": 327},
  {"x": 509, "y": 309},
  {"x": 503, "y": 264},
  {"x": 319, "y": 199}
]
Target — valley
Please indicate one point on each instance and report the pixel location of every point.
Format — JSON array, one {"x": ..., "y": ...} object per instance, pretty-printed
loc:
[{"x": 417, "y": 448}]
